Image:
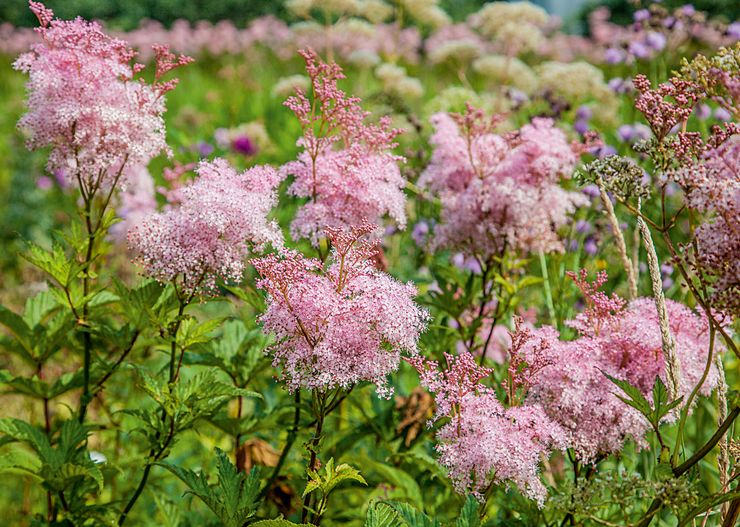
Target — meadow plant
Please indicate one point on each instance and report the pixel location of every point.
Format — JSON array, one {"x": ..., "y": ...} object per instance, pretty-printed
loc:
[{"x": 468, "y": 372}]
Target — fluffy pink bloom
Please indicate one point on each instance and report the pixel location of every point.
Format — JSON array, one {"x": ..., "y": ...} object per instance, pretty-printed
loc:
[
  {"x": 499, "y": 192},
  {"x": 347, "y": 170},
  {"x": 85, "y": 104},
  {"x": 209, "y": 233},
  {"x": 627, "y": 345},
  {"x": 713, "y": 188},
  {"x": 485, "y": 443},
  {"x": 342, "y": 325}
]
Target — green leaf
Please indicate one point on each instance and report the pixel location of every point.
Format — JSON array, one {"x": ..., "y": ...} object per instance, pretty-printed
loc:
[
  {"x": 278, "y": 522},
  {"x": 411, "y": 516},
  {"x": 19, "y": 329},
  {"x": 469, "y": 516},
  {"x": 634, "y": 398},
  {"x": 395, "y": 476},
  {"x": 381, "y": 515},
  {"x": 54, "y": 263},
  {"x": 38, "y": 307},
  {"x": 661, "y": 406},
  {"x": 233, "y": 499}
]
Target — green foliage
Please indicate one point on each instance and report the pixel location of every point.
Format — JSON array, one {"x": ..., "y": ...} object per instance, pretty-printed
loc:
[{"x": 233, "y": 499}]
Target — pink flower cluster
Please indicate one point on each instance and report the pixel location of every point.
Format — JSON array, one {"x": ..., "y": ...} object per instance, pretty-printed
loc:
[
  {"x": 624, "y": 342},
  {"x": 341, "y": 325},
  {"x": 85, "y": 104},
  {"x": 346, "y": 184},
  {"x": 666, "y": 106},
  {"x": 712, "y": 187},
  {"x": 485, "y": 443},
  {"x": 499, "y": 191},
  {"x": 209, "y": 233}
]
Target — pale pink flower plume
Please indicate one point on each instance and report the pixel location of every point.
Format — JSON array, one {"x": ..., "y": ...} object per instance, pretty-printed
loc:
[
  {"x": 85, "y": 104},
  {"x": 623, "y": 341},
  {"x": 485, "y": 443},
  {"x": 207, "y": 236},
  {"x": 346, "y": 170},
  {"x": 713, "y": 188},
  {"x": 499, "y": 192},
  {"x": 338, "y": 326}
]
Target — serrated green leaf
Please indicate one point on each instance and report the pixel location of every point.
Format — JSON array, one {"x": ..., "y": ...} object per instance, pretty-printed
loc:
[
  {"x": 411, "y": 516},
  {"x": 469, "y": 516},
  {"x": 634, "y": 398},
  {"x": 381, "y": 515}
]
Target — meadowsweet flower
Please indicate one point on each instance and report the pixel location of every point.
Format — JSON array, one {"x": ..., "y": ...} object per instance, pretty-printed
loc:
[
  {"x": 85, "y": 104},
  {"x": 341, "y": 325},
  {"x": 484, "y": 442},
  {"x": 221, "y": 215},
  {"x": 346, "y": 169},
  {"x": 497, "y": 191},
  {"x": 712, "y": 187},
  {"x": 624, "y": 341}
]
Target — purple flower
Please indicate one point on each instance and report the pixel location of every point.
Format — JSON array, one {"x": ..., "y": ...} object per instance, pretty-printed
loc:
[
  {"x": 420, "y": 232},
  {"x": 44, "y": 183},
  {"x": 605, "y": 151},
  {"x": 581, "y": 126},
  {"x": 583, "y": 227},
  {"x": 655, "y": 40},
  {"x": 591, "y": 190},
  {"x": 733, "y": 31},
  {"x": 616, "y": 85},
  {"x": 244, "y": 145},
  {"x": 702, "y": 111},
  {"x": 641, "y": 15},
  {"x": 641, "y": 131},
  {"x": 667, "y": 283},
  {"x": 584, "y": 112},
  {"x": 722, "y": 115},
  {"x": 639, "y": 49},
  {"x": 613, "y": 56},
  {"x": 204, "y": 149},
  {"x": 573, "y": 245},
  {"x": 517, "y": 96},
  {"x": 626, "y": 133},
  {"x": 590, "y": 247},
  {"x": 666, "y": 269},
  {"x": 688, "y": 10}
]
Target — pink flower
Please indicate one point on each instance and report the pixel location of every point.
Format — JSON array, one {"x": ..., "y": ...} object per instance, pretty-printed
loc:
[
  {"x": 499, "y": 192},
  {"x": 342, "y": 325},
  {"x": 485, "y": 443},
  {"x": 575, "y": 393},
  {"x": 344, "y": 184},
  {"x": 712, "y": 188},
  {"x": 208, "y": 235},
  {"x": 85, "y": 104}
]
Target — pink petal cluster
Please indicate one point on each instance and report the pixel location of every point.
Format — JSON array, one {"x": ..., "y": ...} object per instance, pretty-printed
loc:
[
  {"x": 712, "y": 187},
  {"x": 576, "y": 394},
  {"x": 666, "y": 106},
  {"x": 497, "y": 191},
  {"x": 346, "y": 170},
  {"x": 341, "y": 325},
  {"x": 485, "y": 443},
  {"x": 85, "y": 104},
  {"x": 207, "y": 236}
]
